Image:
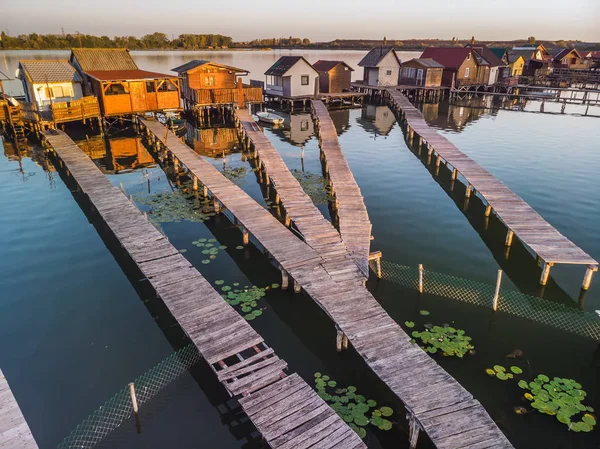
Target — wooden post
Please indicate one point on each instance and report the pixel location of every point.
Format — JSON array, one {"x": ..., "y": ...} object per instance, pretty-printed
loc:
[
  {"x": 217, "y": 205},
  {"x": 497, "y": 292},
  {"x": 413, "y": 431},
  {"x": 344, "y": 342},
  {"x": 195, "y": 185},
  {"x": 454, "y": 174},
  {"x": 288, "y": 220},
  {"x": 284, "y": 279},
  {"x": 587, "y": 279},
  {"x": 338, "y": 339},
  {"x": 205, "y": 191},
  {"x": 545, "y": 272},
  {"x": 488, "y": 210},
  {"x": 297, "y": 288},
  {"x": 509, "y": 237},
  {"x": 244, "y": 237},
  {"x": 420, "y": 278},
  {"x": 468, "y": 191}
]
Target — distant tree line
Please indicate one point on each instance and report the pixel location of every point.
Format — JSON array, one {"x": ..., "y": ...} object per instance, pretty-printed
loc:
[{"x": 154, "y": 41}]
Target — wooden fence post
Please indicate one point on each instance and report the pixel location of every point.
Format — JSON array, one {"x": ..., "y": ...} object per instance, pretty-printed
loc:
[
  {"x": 497, "y": 292},
  {"x": 420, "y": 278}
]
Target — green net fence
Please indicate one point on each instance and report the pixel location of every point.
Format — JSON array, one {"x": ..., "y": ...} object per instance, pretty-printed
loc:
[
  {"x": 525, "y": 306},
  {"x": 119, "y": 408}
]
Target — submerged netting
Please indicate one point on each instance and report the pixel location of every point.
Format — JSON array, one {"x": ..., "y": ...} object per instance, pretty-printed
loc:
[
  {"x": 526, "y": 306},
  {"x": 118, "y": 409}
]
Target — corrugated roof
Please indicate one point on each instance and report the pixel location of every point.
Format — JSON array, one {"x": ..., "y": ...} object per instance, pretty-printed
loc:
[
  {"x": 283, "y": 64},
  {"x": 450, "y": 58},
  {"x": 326, "y": 66},
  {"x": 375, "y": 56},
  {"x": 126, "y": 75},
  {"x": 427, "y": 63},
  {"x": 95, "y": 59},
  {"x": 50, "y": 71},
  {"x": 200, "y": 62}
]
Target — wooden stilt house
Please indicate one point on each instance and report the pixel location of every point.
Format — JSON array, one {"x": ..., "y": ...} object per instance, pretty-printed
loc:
[
  {"x": 205, "y": 83},
  {"x": 334, "y": 76},
  {"x": 121, "y": 87}
]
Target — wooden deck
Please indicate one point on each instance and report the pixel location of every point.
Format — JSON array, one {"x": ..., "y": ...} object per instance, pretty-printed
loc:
[
  {"x": 14, "y": 431},
  {"x": 354, "y": 224},
  {"x": 235, "y": 351},
  {"x": 446, "y": 411},
  {"x": 316, "y": 230},
  {"x": 521, "y": 220}
]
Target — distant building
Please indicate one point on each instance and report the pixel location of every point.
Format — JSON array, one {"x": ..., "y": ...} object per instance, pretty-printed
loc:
[
  {"x": 121, "y": 87},
  {"x": 569, "y": 58},
  {"x": 381, "y": 67},
  {"x": 537, "y": 58},
  {"x": 501, "y": 53},
  {"x": 334, "y": 76},
  {"x": 208, "y": 83},
  {"x": 49, "y": 81},
  {"x": 462, "y": 66},
  {"x": 422, "y": 72},
  {"x": 292, "y": 76},
  {"x": 516, "y": 63},
  {"x": 498, "y": 68}
]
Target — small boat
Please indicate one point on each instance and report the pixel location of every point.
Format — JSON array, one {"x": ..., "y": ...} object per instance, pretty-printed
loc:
[{"x": 269, "y": 117}]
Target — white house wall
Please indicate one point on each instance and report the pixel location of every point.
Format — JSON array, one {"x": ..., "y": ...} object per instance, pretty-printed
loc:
[
  {"x": 389, "y": 64},
  {"x": 71, "y": 91},
  {"x": 295, "y": 73},
  {"x": 493, "y": 75}
]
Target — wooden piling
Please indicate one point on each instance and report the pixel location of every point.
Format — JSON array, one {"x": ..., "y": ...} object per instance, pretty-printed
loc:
[
  {"x": 545, "y": 272},
  {"x": 284, "y": 279},
  {"x": 497, "y": 291},
  {"x": 245, "y": 237},
  {"x": 509, "y": 237},
  {"x": 420, "y": 278},
  {"x": 587, "y": 279}
]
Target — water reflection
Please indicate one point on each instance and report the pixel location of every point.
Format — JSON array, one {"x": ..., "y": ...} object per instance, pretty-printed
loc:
[
  {"x": 297, "y": 129},
  {"x": 446, "y": 116},
  {"x": 118, "y": 154},
  {"x": 377, "y": 120},
  {"x": 212, "y": 142}
]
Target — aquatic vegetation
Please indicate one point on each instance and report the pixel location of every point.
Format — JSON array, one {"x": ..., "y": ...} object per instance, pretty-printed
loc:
[
  {"x": 174, "y": 207},
  {"x": 444, "y": 339},
  {"x": 235, "y": 175},
  {"x": 355, "y": 409},
  {"x": 210, "y": 248},
  {"x": 559, "y": 397},
  {"x": 245, "y": 299},
  {"x": 314, "y": 186}
]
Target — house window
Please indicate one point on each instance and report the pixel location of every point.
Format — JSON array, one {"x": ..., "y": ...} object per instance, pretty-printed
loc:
[
  {"x": 304, "y": 125},
  {"x": 469, "y": 57},
  {"x": 388, "y": 72},
  {"x": 209, "y": 80},
  {"x": 467, "y": 70},
  {"x": 409, "y": 72},
  {"x": 150, "y": 86},
  {"x": 304, "y": 80},
  {"x": 116, "y": 89},
  {"x": 168, "y": 86}
]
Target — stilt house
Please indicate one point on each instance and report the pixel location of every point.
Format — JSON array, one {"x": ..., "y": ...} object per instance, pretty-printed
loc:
[
  {"x": 121, "y": 87},
  {"x": 422, "y": 72},
  {"x": 462, "y": 66},
  {"x": 205, "y": 83},
  {"x": 381, "y": 67},
  {"x": 334, "y": 76},
  {"x": 292, "y": 77}
]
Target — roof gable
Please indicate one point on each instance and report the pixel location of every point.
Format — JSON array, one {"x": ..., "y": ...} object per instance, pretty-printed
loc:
[
  {"x": 197, "y": 63},
  {"x": 376, "y": 55},
  {"x": 450, "y": 58},
  {"x": 427, "y": 63},
  {"x": 50, "y": 71},
  {"x": 94, "y": 59},
  {"x": 326, "y": 66},
  {"x": 487, "y": 54},
  {"x": 566, "y": 52},
  {"x": 285, "y": 63}
]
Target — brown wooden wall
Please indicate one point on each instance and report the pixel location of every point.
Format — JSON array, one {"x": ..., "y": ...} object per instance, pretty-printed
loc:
[
  {"x": 222, "y": 78},
  {"x": 433, "y": 77},
  {"x": 339, "y": 79},
  {"x": 477, "y": 74}
]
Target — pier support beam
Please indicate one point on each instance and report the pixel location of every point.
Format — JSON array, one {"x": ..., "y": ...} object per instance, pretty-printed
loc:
[
  {"x": 468, "y": 191},
  {"x": 509, "y": 237},
  {"x": 587, "y": 279},
  {"x": 297, "y": 288},
  {"x": 245, "y": 237},
  {"x": 376, "y": 256},
  {"x": 488, "y": 210},
  {"x": 545, "y": 272},
  {"x": 413, "y": 431},
  {"x": 284, "y": 279}
]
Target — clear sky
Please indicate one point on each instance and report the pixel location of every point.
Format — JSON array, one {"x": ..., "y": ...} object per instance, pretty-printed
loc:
[{"x": 319, "y": 20}]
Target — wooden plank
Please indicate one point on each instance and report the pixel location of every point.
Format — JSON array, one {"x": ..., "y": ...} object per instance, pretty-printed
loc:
[{"x": 14, "y": 430}]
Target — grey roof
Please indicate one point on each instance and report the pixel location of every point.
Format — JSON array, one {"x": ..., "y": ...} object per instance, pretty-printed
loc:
[
  {"x": 200, "y": 62},
  {"x": 283, "y": 64},
  {"x": 375, "y": 56},
  {"x": 513, "y": 55},
  {"x": 50, "y": 71},
  {"x": 94, "y": 59},
  {"x": 428, "y": 63}
]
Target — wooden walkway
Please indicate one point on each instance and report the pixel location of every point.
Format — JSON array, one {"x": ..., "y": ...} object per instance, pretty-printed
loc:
[
  {"x": 316, "y": 230},
  {"x": 435, "y": 401},
  {"x": 355, "y": 226},
  {"x": 235, "y": 351},
  {"x": 14, "y": 431},
  {"x": 521, "y": 220}
]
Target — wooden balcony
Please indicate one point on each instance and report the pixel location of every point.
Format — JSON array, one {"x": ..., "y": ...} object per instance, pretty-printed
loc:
[
  {"x": 83, "y": 109},
  {"x": 206, "y": 97}
]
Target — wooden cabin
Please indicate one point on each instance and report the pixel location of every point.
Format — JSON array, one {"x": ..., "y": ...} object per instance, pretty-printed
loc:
[
  {"x": 498, "y": 68},
  {"x": 205, "y": 83},
  {"x": 334, "y": 76},
  {"x": 381, "y": 67},
  {"x": 462, "y": 66},
  {"x": 292, "y": 77},
  {"x": 537, "y": 59},
  {"x": 516, "y": 62},
  {"x": 422, "y": 72},
  {"x": 569, "y": 58},
  {"x": 121, "y": 87}
]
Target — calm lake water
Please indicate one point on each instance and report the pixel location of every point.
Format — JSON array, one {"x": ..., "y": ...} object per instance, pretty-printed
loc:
[{"x": 75, "y": 327}]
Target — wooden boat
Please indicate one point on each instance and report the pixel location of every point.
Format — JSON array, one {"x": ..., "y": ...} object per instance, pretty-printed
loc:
[{"x": 269, "y": 117}]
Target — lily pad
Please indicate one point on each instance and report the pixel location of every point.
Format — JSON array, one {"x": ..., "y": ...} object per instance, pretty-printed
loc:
[
  {"x": 206, "y": 261},
  {"x": 226, "y": 288},
  {"x": 219, "y": 282},
  {"x": 409, "y": 324},
  {"x": 239, "y": 247},
  {"x": 386, "y": 411},
  {"x": 516, "y": 370},
  {"x": 424, "y": 312}
]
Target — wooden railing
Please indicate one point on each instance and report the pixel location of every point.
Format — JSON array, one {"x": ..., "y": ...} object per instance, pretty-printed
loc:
[
  {"x": 86, "y": 107},
  {"x": 223, "y": 95}
]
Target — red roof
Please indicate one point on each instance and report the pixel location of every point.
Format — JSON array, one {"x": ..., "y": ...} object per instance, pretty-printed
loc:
[
  {"x": 326, "y": 66},
  {"x": 126, "y": 75},
  {"x": 450, "y": 58}
]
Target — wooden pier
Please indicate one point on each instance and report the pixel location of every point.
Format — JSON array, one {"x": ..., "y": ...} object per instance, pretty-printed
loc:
[
  {"x": 354, "y": 224},
  {"x": 238, "y": 355},
  {"x": 300, "y": 210},
  {"x": 14, "y": 431},
  {"x": 543, "y": 239},
  {"x": 436, "y": 403}
]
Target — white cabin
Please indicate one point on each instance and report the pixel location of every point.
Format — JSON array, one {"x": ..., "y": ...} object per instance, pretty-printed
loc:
[
  {"x": 46, "y": 82},
  {"x": 381, "y": 67},
  {"x": 292, "y": 76}
]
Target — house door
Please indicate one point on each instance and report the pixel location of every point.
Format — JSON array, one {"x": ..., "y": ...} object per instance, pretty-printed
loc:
[
  {"x": 287, "y": 86},
  {"x": 420, "y": 80},
  {"x": 137, "y": 93}
]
